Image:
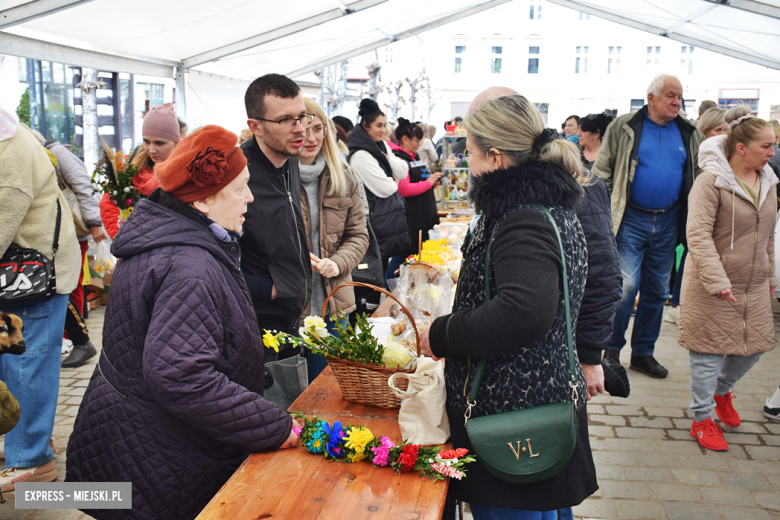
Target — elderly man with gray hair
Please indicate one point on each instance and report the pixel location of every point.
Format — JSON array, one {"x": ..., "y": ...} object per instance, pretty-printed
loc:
[{"x": 649, "y": 161}]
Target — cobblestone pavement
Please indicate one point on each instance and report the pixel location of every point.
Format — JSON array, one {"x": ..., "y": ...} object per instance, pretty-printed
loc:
[
  {"x": 648, "y": 465},
  {"x": 73, "y": 384}
]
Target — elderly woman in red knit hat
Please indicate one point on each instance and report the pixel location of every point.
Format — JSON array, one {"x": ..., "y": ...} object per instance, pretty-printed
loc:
[
  {"x": 176, "y": 402},
  {"x": 161, "y": 135}
]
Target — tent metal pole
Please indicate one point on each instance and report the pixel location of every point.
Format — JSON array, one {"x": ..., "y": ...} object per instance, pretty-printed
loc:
[
  {"x": 750, "y": 6},
  {"x": 720, "y": 49},
  {"x": 32, "y": 10},
  {"x": 96, "y": 58},
  {"x": 281, "y": 32},
  {"x": 181, "y": 94}
]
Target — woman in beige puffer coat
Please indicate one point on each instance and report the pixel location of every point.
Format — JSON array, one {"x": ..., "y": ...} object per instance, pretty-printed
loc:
[{"x": 726, "y": 319}]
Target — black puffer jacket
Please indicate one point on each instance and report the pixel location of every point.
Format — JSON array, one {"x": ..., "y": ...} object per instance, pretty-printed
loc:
[
  {"x": 389, "y": 216},
  {"x": 604, "y": 287},
  {"x": 274, "y": 247},
  {"x": 522, "y": 330}
]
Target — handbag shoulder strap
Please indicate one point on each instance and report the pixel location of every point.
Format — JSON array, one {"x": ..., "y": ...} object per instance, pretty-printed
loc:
[
  {"x": 56, "y": 244},
  {"x": 569, "y": 335}
]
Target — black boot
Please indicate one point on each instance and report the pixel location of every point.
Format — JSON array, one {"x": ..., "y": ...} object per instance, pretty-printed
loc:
[
  {"x": 648, "y": 365},
  {"x": 611, "y": 357},
  {"x": 80, "y": 355}
]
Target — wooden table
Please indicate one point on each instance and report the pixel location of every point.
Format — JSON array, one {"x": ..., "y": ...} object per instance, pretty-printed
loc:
[{"x": 295, "y": 484}]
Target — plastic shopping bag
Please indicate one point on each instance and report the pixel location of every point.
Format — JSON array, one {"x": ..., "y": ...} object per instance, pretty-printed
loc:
[{"x": 423, "y": 415}]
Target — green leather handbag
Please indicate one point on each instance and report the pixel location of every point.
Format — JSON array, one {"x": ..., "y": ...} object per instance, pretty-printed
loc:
[{"x": 532, "y": 444}]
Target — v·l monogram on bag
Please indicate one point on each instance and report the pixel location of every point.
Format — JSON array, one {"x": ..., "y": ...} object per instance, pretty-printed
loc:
[{"x": 518, "y": 450}]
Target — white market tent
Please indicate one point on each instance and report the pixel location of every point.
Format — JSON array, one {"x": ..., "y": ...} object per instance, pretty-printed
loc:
[{"x": 214, "y": 48}]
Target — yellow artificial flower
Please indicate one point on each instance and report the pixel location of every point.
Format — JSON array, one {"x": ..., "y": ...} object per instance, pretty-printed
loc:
[
  {"x": 270, "y": 341},
  {"x": 357, "y": 439}
]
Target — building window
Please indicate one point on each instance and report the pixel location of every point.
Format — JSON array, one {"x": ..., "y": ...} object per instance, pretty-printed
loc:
[
  {"x": 544, "y": 109},
  {"x": 653, "y": 58},
  {"x": 613, "y": 65},
  {"x": 636, "y": 105},
  {"x": 581, "y": 61},
  {"x": 733, "y": 97},
  {"x": 686, "y": 59},
  {"x": 459, "y": 49},
  {"x": 23, "y": 70},
  {"x": 388, "y": 55},
  {"x": 533, "y": 63},
  {"x": 584, "y": 16},
  {"x": 536, "y": 10},
  {"x": 726, "y": 104},
  {"x": 51, "y": 98},
  {"x": 495, "y": 61}
]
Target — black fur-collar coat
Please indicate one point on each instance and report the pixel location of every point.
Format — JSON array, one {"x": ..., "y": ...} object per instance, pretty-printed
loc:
[{"x": 522, "y": 330}]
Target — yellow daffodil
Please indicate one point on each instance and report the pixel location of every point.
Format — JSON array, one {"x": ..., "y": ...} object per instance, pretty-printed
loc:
[
  {"x": 270, "y": 341},
  {"x": 315, "y": 326}
]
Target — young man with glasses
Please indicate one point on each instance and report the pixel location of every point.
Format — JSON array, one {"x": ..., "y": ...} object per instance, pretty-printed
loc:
[{"x": 274, "y": 249}]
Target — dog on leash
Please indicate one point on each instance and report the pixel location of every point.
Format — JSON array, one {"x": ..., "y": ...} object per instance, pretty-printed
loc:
[{"x": 11, "y": 331}]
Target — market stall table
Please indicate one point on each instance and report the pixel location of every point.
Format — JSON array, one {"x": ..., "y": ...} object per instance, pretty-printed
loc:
[{"x": 295, "y": 484}]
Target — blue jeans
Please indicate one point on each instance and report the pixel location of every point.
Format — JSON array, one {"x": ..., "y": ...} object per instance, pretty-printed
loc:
[
  {"x": 34, "y": 379},
  {"x": 505, "y": 513},
  {"x": 314, "y": 362},
  {"x": 675, "y": 301},
  {"x": 646, "y": 244}
]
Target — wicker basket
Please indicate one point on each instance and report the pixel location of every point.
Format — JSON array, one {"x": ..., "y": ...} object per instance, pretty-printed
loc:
[{"x": 367, "y": 384}]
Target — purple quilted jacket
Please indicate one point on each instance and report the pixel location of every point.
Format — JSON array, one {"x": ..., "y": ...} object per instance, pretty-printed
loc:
[{"x": 175, "y": 404}]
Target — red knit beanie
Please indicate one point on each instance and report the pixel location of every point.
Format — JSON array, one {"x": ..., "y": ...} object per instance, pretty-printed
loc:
[{"x": 201, "y": 165}]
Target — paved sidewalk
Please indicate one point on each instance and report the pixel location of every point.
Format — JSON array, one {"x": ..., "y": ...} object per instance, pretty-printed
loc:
[
  {"x": 73, "y": 384},
  {"x": 648, "y": 465}
]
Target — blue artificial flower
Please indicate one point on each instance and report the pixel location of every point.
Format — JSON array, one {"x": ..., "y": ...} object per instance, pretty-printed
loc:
[
  {"x": 318, "y": 439},
  {"x": 335, "y": 439}
]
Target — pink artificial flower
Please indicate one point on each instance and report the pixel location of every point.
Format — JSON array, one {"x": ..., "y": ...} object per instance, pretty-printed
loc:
[
  {"x": 447, "y": 471},
  {"x": 297, "y": 431},
  {"x": 382, "y": 452}
]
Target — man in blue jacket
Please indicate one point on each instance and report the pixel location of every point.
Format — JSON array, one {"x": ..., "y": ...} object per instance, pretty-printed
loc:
[{"x": 274, "y": 249}]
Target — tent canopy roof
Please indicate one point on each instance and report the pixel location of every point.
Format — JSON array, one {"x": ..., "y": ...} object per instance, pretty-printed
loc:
[
  {"x": 245, "y": 39},
  {"x": 745, "y": 29}
]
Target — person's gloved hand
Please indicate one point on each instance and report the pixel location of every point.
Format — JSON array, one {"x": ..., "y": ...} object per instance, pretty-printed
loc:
[{"x": 616, "y": 380}]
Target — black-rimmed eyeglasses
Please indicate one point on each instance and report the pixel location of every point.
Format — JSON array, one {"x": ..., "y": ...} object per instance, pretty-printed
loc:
[{"x": 306, "y": 120}]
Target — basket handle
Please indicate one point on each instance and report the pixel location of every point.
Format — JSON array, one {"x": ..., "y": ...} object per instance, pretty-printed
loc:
[{"x": 383, "y": 291}]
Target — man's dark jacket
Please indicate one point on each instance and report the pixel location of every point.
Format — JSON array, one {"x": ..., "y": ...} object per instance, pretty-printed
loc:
[{"x": 274, "y": 248}]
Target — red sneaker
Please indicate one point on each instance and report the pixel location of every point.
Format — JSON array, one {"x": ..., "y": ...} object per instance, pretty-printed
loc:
[
  {"x": 709, "y": 435},
  {"x": 725, "y": 410}
]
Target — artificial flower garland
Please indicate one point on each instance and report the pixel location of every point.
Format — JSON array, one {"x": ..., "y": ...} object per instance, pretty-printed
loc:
[{"x": 355, "y": 443}]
